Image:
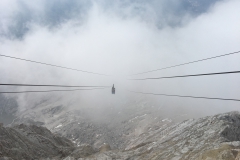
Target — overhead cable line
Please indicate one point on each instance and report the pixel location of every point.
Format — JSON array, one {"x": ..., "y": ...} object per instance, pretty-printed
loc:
[
  {"x": 181, "y": 96},
  {"x": 186, "y": 63},
  {"x": 53, "y": 90},
  {"x": 53, "y": 65},
  {"x": 190, "y": 75},
  {"x": 36, "y": 85}
]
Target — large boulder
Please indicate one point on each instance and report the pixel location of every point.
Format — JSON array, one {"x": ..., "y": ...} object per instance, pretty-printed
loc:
[{"x": 83, "y": 151}]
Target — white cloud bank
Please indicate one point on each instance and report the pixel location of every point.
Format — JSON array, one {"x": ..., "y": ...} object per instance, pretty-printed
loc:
[{"x": 121, "y": 45}]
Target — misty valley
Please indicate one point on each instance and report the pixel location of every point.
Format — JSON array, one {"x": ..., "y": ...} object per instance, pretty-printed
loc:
[{"x": 119, "y": 80}]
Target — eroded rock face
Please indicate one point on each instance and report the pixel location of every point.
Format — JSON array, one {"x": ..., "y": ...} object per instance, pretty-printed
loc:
[
  {"x": 83, "y": 151},
  {"x": 5, "y": 158},
  {"x": 115, "y": 126},
  {"x": 105, "y": 147},
  {"x": 208, "y": 138},
  {"x": 32, "y": 142}
]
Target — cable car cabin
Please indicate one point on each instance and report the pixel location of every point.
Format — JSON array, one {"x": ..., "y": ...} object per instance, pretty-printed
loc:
[{"x": 113, "y": 90}]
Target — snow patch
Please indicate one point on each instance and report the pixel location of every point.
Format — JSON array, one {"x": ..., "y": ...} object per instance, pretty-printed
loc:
[
  {"x": 167, "y": 119},
  {"x": 60, "y": 125},
  {"x": 137, "y": 117}
]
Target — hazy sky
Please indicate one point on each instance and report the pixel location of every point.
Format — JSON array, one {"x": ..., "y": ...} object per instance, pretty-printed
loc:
[{"x": 121, "y": 38}]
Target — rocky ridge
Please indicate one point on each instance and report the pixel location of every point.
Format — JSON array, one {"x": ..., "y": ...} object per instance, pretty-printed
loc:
[
  {"x": 209, "y": 138},
  {"x": 114, "y": 126},
  {"x": 32, "y": 142}
]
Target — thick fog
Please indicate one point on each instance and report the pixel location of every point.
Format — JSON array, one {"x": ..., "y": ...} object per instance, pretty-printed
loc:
[{"x": 120, "y": 38}]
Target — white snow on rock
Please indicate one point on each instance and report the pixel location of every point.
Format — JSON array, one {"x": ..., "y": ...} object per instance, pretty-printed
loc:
[{"x": 60, "y": 125}]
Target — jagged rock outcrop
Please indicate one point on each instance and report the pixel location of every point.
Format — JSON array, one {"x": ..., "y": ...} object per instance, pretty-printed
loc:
[
  {"x": 32, "y": 142},
  {"x": 105, "y": 147},
  {"x": 115, "y": 126},
  {"x": 209, "y": 138},
  {"x": 83, "y": 151}
]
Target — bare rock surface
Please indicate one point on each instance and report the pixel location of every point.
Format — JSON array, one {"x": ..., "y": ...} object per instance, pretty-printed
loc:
[
  {"x": 137, "y": 132},
  {"x": 209, "y": 138},
  {"x": 32, "y": 142},
  {"x": 83, "y": 151},
  {"x": 114, "y": 126}
]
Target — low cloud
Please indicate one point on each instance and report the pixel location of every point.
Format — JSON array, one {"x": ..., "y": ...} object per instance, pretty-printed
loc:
[{"x": 120, "y": 39}]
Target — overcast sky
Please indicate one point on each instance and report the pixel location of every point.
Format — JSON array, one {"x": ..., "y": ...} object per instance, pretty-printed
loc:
[{"x": 121, "y": 38}]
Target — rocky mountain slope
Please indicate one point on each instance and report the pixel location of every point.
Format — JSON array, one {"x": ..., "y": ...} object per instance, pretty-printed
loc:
[
  {"x": 209, "y": 138},
  {"x": 135, "y": 130},
  {"x": 32, "y": 142},
  {"x": 114, "y": 126}
]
